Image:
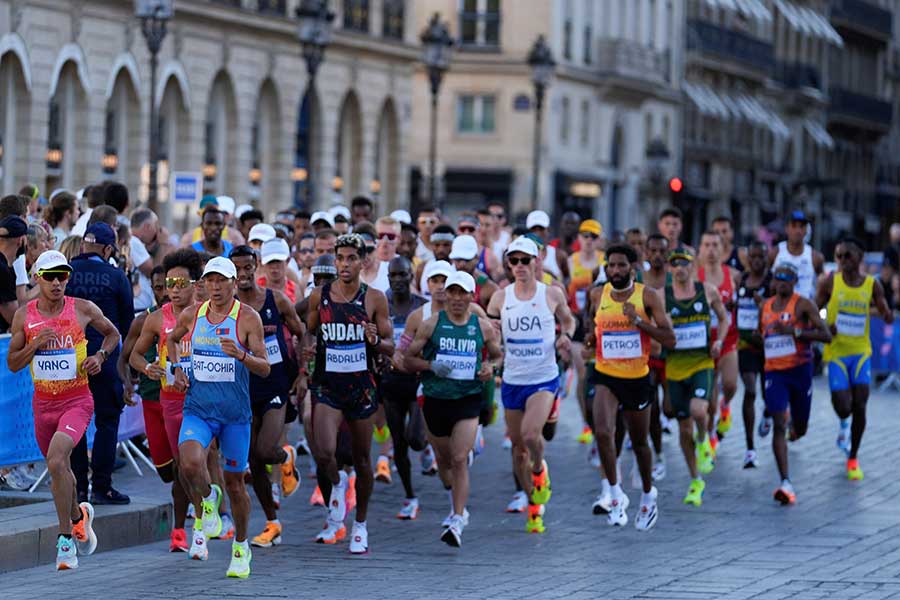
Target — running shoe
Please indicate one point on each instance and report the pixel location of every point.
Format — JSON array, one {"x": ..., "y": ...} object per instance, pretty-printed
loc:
[
  {"x": 647, "y": 513},
  {"x": 843, "y": 438},
  {"x": 724, "y": 425},
  {"x": 383, "y": 470},
  {"x": 227, "y": 528},
  {"x": 854, "y": 473},
  {"x": 586, "y": 436},
  {"x": 331, "y": 533},
  {"x": 209, "y": 510},
  {"x": 507, "y": 443},
  {"x": 351, "y": 491},
  {"x": 705, "y": 456},
  {"x": 381, "y": 434},
  {"x": 452, "y": 535},
  {"x": 240, "y": 561},
  {"x": 541, "y": 492},
  {"x": 276, "y": 495},
  {"x": 429, "y": 462},
  {"x": 465, "y": 516},
  {"x": 518, "y": 504},
  {"x": 290, "y": 476},
  {"x": 316, "y": 499},
  {"x": 617, "y": 515},
  {"x": 83, "y": 531},
  {"x": 410, "y": 510},
  {"x": 199, "y": 550},
  {"x": 785, "y": 493},
  {"x": 178, "y": 541},
  {"x": 535, "y": 521},
  {"x": 359, "y": 538},
  {"x": 602, "y": 503},
  {"x": 713, "y": 439},
  {"x": 764, "y": 427},
  {"x": 191, "y": 513},
  {"x": 750, "y": 459},
  {"x": 270, "y": 536},
  {"x": 337, "y": 505},
  {"x": 594, "y": 457},
  {"x": 659, "y": 469},
  {"x": 695, "y": 492},
  {"x": 13, "y": 480},
  {"x": 666, "y": 424},
  {"x": 66, "y": 554},
  {"x": 303, "y": 447},
  {"x": 479, "y": 440}
]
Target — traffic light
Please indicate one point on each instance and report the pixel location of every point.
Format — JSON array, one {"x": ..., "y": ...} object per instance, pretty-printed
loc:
[{"x": 676, "y": 190}]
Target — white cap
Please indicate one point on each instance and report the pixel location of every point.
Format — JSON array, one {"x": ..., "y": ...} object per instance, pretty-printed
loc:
[
  {"x": 51, "y": 259},
  {"x": 438, "y": 267},
  {"x": 464, "y": 247},
  {"x": 537, "y": 218},
  {"x": 226, "y": 204},
  {"x": 241, "y": 210},
  {"x": 337, "y": 209},
  {"x": 402, "y": 216},
  {"x": 524, "y": 245},
  {"x": 462, "y": 279},
  {"x": 275, "y": 249},
  {"x": 321, "y": 215},
  {"x": 262, "y": 232},
  {"x": 222, "y": 266}
]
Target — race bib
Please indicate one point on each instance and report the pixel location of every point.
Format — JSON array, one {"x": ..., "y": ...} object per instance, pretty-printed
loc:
[
  {"x": 690, "y": 336},
  {"x": 748, "y": 316},
  {"x": 346, "y": 359},
  {"x": 525, "y": 349},
  {"x": 852, "y": 325},
  {"x": 581, "y": 299},
  {"x": 212, "y": 367},
  {"x": 462, "y": 364},
  {"x": 55, "y": 365},
  {"x": 777, "y": 346},
  {"x": 273, "y": 350},
  {"x": 620, "y": 345}
]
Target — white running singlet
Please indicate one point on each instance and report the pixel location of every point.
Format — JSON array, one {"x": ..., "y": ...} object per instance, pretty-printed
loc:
[
  {"x": 806, "y": 282},
  {"x": 529, "y": 338}
]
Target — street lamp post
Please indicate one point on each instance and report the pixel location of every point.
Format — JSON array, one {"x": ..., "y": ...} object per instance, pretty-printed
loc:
[
  {"x": 437, "y": 46},
  {"x": 540, "y": 59},
  {"x": 314, "y": 33},
  {"x": 153, "y": 15}
]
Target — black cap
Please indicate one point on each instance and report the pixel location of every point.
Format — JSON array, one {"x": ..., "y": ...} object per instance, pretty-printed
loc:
[
  {"x": 798, "y": 216},
  {"x": 13, "y": 227}
]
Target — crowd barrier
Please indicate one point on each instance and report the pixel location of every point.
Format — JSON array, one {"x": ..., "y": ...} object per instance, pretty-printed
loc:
[{"x": 886, "y": 352}]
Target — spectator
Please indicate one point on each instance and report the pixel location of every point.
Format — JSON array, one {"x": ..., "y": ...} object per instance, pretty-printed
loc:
[
  {"x": 33, "y": 195},
  {"x": 94, "y": 195},
  {"x": 144, "y": 242},
  {"x": 17, "y": 205},
  {"x": 248, "y": 219},
  {"x": 104, "y": 214},
  {"x": 116, "y": 195},
  {"x": 37, "y": 241},
  {"x": 890, "y": 265},
  {"x": 62, "y": 215},
  {"x": 71, "y": 247},
  {"x": 362, "y": 209},
  {"x": 12, "y": 245},
  {"x": 213, "y": 225},
  {"x": 94, "y": 279}
]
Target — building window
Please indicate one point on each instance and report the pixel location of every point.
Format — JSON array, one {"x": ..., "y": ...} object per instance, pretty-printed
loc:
[
  {"x": 648, "y": 128},
  {"x": 567, "y": 31},
  {"x": 476, "y": 114},
  {"x": 392, "y": 21},
  {"x": 588, "y": 47},
  {"x": 109, "y": 138},
  {"x": 479, "y": 23},
  {"x": 273, "y": 7},
  {"x": 585, "y": 122},
  {"x": 356, "y": 15},
  {"x": 564, "y": 121},
  {"x": 651, "y": 20}
]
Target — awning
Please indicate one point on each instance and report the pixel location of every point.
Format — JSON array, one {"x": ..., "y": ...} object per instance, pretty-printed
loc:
[
  {"x": 809, "y": 22},
  {"x": 751, "y": 9},
  {"x": 739, "y": 107},
  {"x": 818, "y": 133},
  {"x": 706, "y": 101}
]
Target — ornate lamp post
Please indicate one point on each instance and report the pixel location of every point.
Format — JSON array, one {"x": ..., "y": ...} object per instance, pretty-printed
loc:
[
  {"x": 540, "y": 59},
  {"x": 437, "y": 47}
]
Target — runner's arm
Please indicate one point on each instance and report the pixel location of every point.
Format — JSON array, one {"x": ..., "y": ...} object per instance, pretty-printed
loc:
[
  {"x": 823, "y": 290},
  {"x": 382, "y": 321},
  {"x": 820, "y": 331},
  {"x": 184, "y": 324},
  {"x": 131, "y": 338},
  {"x": 562, "y": 312},
  {"x": 491, "y": 341},
  {"x": 412, "y": 360},
  {"x": 312, "y": 310},
  {"x": 476, "y": 308},
  {"x": 288, "y": 314},
  {"x": 661, "y": 327},
  {"x": 494, "y": 306},
  {"x": 139, "y": 347},
  {"x": 19, "y": 353},
  {"x": 715, "y": 303},
  {"x": 880, "y": 302},
  {"x": 257, "y": 359},
  {"x": 590, "y": 338}
]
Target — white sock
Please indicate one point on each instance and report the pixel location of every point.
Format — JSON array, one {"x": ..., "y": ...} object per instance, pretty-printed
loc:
[
  {"x": 646, "y": 498},
  {"x": 617, "y": 492},
  {"x": 660, "y": 458},
  {"x": 604, "y": 486},
  {"x": 358, "y": 525},
  {"x": 243, "y": 544},
  {"x": 382, "y": 457},
  {"x": 276, "y": 521}
]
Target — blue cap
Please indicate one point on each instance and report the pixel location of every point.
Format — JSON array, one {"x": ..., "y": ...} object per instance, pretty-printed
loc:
[
  {"x": 100, "y": 233},
  {"x": 798, "y": 216}
]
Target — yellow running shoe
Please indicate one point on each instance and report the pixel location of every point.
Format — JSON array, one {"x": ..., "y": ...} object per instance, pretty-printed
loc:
[
  {"x": 270, "y": 536},
  {"x": 540, "y": 493},
  {"x": 535, "y": 522},
  {"x": 382, "y": 434},
  {"x": 586, "y": 436},
  {"x": 705, "y": 462},
  {"x": 695, "y": 492},
  {"x": 240, "y": 562},
  {"x": 854, "y": 473},
  {"x": 724, "y": 425}
]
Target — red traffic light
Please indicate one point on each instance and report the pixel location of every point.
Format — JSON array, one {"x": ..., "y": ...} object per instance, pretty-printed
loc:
[{"x": 676, "y": 185}]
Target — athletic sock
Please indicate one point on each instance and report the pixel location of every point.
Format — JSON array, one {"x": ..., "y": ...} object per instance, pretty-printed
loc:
[
  {"x": 605, "y": 488},
  {"x": 616, "y": 491},
  {"x": 646, "y": 498},
  {"x": 360, "y": 525},
  {"x": 67, "y": 537},
  {"x": 212, "y": 495},
  {"x": 243, "y": 545}
]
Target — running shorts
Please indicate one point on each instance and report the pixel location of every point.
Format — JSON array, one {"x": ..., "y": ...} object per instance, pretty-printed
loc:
[
  {"x": 790, "y": 388},
  {"x": 516, "y": 396},
  {"x": 260, "y": 406},
  {"x": 658, "y": 369},
  {"x": 848, "y": 371},
  {"x": 750, "y": 361},
  {"x": 155, "y": 428},
  {"x": 172, "y": 417},
  {"x": 70, "y": 417},
  {"x": 632, "y": 394},
  {"x": 234, "y": 439},
  {"x": 699, "y": 385},
  {"x": 442, "y": 415},
  {"x": 353, "y": 409}
]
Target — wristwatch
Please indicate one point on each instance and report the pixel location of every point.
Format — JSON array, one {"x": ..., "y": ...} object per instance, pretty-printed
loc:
[
  {"x": 637, "y": 319},
  {"x": 103, "y": 353}
]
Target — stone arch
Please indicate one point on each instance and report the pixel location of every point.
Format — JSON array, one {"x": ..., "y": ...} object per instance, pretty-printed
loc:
[
  {"x": 221, "y": 143},
  {"x": 174, "y": 71},
  {"x": 15, "y": 113},
  {"x": 124, "y": 61},
  {"x": 71, "y": 53},
  {"x": 13, "y": 42},
  {"x": 350, "y": 147},
  {"x": 387, "y": 153},
  {"x": 68, "y": 123},
  {"x": 174, "y": 138},
  {"x": 266, "y": 150},
  {"x": 122, "y": 128}
]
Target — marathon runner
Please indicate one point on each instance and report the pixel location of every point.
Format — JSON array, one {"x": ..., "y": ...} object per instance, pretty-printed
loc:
[
  {"x": 447, "y": 350},
  {"x": 270, "y": 395},
  {"x": 753, "y": 289},
  {"x": 690, "y": 364},
  {"x": 809, "y": 263},
  {"x": 848, "y": 296},
  {"x": 656, "y": 277},
  {"x": 48, "y": 334},
  {"x": 182, "y": 269},
  {"x": 628, "y": 315},
  {"x": 227, "y": 344},
  {"x": 788, "y": 322},
  {"x": 732, "y": 255},
  {"x": 528, "y": 311},
  {"x": 441, "y": 244},
  {"x": 352, "y": 323}
]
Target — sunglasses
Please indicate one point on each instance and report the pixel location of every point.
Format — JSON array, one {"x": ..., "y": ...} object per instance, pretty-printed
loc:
[
  {"x": 588, "y": 234},
  {"x": 54, "y": 275},
  {"x": 784, "y": 277},
  {"x": 386, "y": 235},
  {"x": 514, "y": 260},
  {"x": 180, "y": 282},
  {"x": 466, "y": 229},
  {"x": 680, "y": 262}
]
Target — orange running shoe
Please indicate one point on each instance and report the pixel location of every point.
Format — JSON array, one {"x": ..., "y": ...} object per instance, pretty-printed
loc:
[
  {"x": 331, "y": 534},
  {"x": 83, "y": 530},
  {"x": 854, "y": 473},
  {"x": 383, "y": 469},
  {"x": 540, "y": 493},
  {"x": 270, "y": 536},
  {"x": 586, "y": 436},
  {"x": 785, "y": 494},
  {"x": 178, "y": 541},
  {"x": 316, "y": 498},
  {"x": 290, "y": 476},
  {"x": 351, "y": 493}
]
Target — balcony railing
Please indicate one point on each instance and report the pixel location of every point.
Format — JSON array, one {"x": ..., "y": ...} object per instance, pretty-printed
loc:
[
  {"x": 730, "y": 45},
  {"x": 272, "y": 7},
  {"x": 844, "y": 103},
  {"x": 633, "y": 60},
  {"x": 798, "y": 75},
  {"x": 863, "y": 16}
]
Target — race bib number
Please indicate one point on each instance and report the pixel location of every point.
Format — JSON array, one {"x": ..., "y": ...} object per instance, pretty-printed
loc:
[
  {"x": 581, "y": 299},
  {"x": 273, "y": 350},
  {"x": 212, "y": 367},
  {"x": 462, "y": 364},
  {"x": 778, "y": 346},
  {"x": 852, "y": 325},
  {"x": 690, "y": 336},
  {"x": 55, "y": 365},
  {"x": 525, "y": 349},
  {"x": 346, "y": 359},
  {"x": 748, "y": 316},
  {"x": 620, "y": 345}
]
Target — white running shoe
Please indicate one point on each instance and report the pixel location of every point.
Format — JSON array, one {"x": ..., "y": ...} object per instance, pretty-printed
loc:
[
  {"x": 666, "y": 424},
  {"x": 647, "y": 513},
  {"x": 210, "y": 518},
  {"x": 750, "y": 458},
  {"x": 659, "y": 470},
  {"x": 429, "y": 463},
  {"x": 465, "y": 517},
  {"x": 617, "y": 514},
  {"x": 507, "y": 443},
  {"x": 410, "y": 510},
  {"x": 452, "y": 535},
  {"x": 843, "y": 438},
  {"x": 359, "y": 539},
  {"x": 518, "y": 504},
  {"x": 199, "y": 550},
  {"x": 276, "y": 495},
  {"x": 337, "y": 504},
  {"x": 479, "y": 440},
  {"x": 764, "y": 427},
  {"x": 594, "y": 457},
  {"x": 602, "y": 503}
]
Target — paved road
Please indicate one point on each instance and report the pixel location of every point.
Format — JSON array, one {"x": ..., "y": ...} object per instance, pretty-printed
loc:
[{"x": 841, "y": 540}]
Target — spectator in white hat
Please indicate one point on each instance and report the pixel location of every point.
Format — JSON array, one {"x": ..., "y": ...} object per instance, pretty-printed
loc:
[
  {"x": 321, "y": 220},
  {"x": 275, "y": 255},
  {"x": 556, "y": 263}
]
